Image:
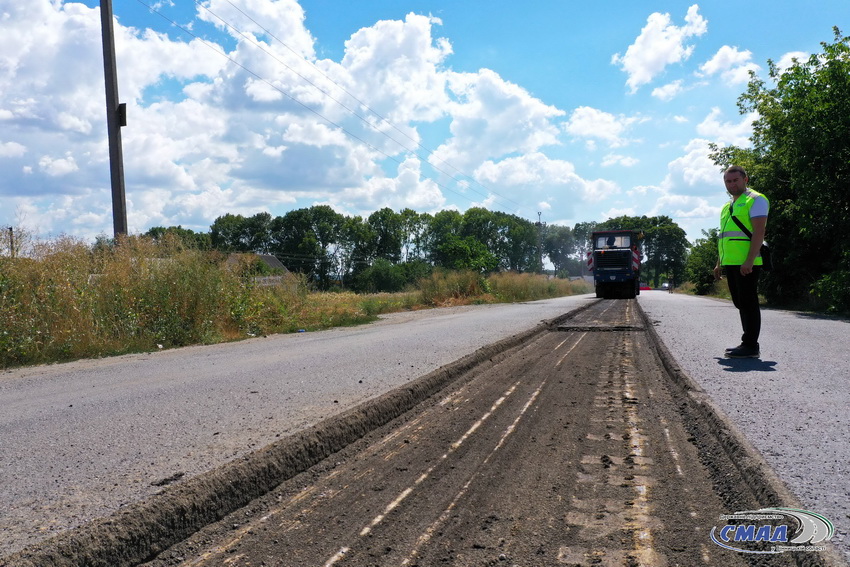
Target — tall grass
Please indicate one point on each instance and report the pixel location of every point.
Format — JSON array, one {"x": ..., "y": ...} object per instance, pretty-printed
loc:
[
  {"x": 453, "y": 288},
  {"x": 67, "y": 300},
  {"x": 443, "y": 288},
  {"x": 512, "y": 287}
]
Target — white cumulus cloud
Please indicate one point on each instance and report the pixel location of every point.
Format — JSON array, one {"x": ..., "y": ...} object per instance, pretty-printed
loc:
[
  {"x": 57, "y": 167},
  {"x": 592, "y": 123},
  {"x": 12, "y": 149},
  {"x": 660, "y": 43},
  {"x": 731, "y": 64},
  {"x": 726, "y": 133},
  {"x": 669, "y": 91},
  {"x": 491, "y": 118},
  {"x": 616, "y": 159}
]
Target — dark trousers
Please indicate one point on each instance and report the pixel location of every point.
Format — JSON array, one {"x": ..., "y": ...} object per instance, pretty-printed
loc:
[{"x": 744, "y": 291}]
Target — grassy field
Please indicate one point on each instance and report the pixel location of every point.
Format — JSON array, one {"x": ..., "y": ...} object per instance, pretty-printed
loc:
[{"x": 67, "y": 300}]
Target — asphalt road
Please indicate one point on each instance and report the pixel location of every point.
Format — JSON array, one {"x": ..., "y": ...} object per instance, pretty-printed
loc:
[
  {"x": 792, "y": 404},
  {"x": 81, "y": 440}
]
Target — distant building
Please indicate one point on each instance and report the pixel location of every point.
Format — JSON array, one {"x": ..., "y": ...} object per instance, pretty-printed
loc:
[{"x": 272, "y": 262}]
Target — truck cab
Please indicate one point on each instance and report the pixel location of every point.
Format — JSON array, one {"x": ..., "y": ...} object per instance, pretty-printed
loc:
[{"x": 615, "y": 261}]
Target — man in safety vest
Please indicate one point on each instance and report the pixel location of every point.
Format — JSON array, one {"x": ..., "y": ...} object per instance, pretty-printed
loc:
[{"x": 742, "y": 225}]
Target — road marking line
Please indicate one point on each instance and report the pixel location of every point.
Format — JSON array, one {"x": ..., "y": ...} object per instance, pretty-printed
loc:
[
  {"x": 584, "y": 334},
  {"x": 670, "y": 448},
  {"x": 484, "y": 418},
  {"x": 390, "y": 507},
  {"x": 407, "y": 491},
  {"x": 429, "y": 531},
  {"x": 339, "y": 555}
]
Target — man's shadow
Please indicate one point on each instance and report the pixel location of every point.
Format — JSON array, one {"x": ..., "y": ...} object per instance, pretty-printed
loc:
[{"x": 746, "y": 364}]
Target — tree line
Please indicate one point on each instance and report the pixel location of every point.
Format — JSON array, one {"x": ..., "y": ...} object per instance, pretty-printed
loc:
[{"x": 388, "y": 250}]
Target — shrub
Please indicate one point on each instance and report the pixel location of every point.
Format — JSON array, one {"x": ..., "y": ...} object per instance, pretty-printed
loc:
[
  {"x": 832, "y": 292},
  {"x": 444, "y": 287}
]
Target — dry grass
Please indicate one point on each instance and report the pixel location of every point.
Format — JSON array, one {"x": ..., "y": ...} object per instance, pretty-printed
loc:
[
  {"x": 511, "y": 287},
  {"x": 67, "y": 300}
]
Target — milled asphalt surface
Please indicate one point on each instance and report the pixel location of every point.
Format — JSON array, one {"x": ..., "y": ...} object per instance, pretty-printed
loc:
[
  {"x": 80, "y": 440},
  {"x": 792, "y": 404}
]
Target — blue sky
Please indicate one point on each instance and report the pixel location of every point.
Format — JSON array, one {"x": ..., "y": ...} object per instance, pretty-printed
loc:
[{"x": 578, "y": 111}]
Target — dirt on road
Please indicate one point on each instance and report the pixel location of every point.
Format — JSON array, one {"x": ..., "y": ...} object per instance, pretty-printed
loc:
[{"x": 576, "y": 450}]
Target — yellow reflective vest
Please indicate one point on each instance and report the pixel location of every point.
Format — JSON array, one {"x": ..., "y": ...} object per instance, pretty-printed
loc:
[{"x": 733, "y": 244}]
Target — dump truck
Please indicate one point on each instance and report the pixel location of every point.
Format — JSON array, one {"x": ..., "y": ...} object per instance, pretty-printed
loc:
[{"x": 615, "y": 262}]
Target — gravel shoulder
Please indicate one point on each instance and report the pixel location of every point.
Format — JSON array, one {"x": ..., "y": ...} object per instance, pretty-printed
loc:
[{"x": 791, "y": 404}]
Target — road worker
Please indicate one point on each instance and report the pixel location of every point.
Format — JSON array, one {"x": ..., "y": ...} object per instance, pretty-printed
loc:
[{"x": 742, "y": 225}]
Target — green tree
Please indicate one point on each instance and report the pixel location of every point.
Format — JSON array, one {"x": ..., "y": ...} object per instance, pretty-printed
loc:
[
  {"x": 294, "y": 242},
  {"x": 415, "y": 226},
  {"x": 466, "y": 253},
  {"x": 560, "y": 246},
  {"x": 800, "y": 159},
  {"x": 518, "y": 244},
  {"x": 483, "y": 226},
  {"x": 189, "y": 238},
  {"x": 327, "y": 228},
  {"x": 257, "y": 233},
  {"x": 387, "y": 233},
  {"x": 354, "y": 251},
  {"x": 444, "y": 225},
  {"x": 228, "y": 233},
  {"x": 382, "y": 275},
  {"x": 235, "y": 233},
  {"x": 669, "y": 251},
  {"x": 581, "y": 235},
  {"x": 699, "y": 267}
]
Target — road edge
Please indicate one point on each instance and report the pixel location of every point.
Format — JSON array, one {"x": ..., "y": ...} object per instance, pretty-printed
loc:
[
  {"x": 767, "y": 487},
  {"x": 142, "y": 530}
]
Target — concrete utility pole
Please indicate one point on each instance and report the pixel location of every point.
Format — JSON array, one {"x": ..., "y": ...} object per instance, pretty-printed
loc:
[{"x": 116, "y": 117}]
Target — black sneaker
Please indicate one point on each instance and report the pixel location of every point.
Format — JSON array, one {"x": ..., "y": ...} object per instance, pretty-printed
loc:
[
  {"x": 731, "y": 348},
  {"x": 743, "y": 352}
]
